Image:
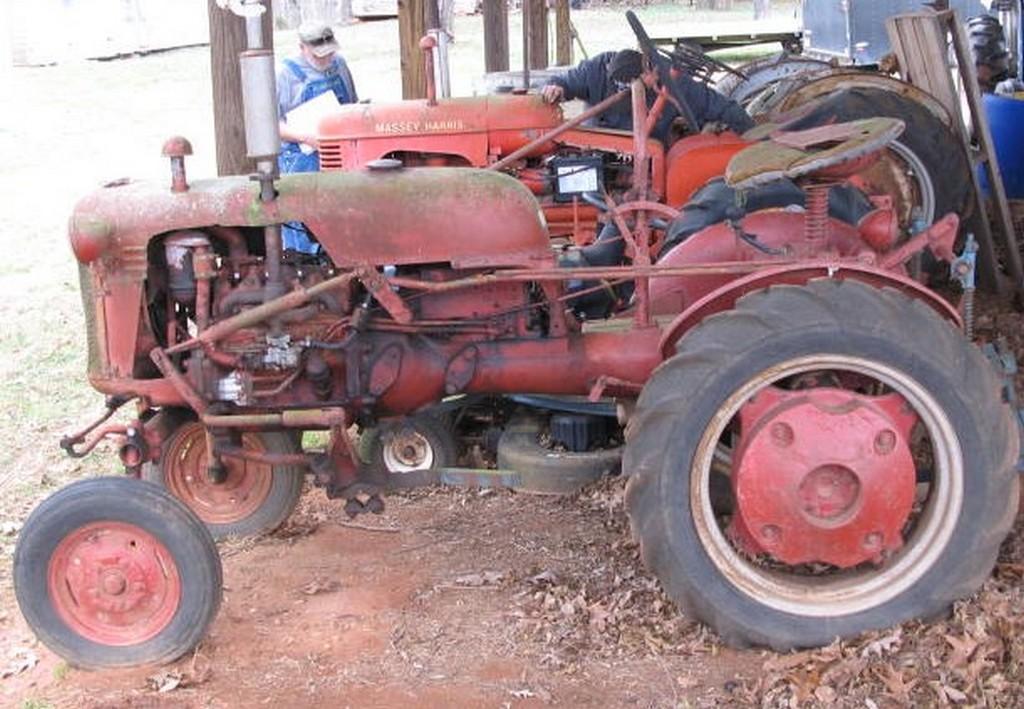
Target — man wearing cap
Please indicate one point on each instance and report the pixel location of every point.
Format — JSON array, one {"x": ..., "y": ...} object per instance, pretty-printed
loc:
[
  {"x": 317, "y": 69},
  {"x": 597, "y": 78}
]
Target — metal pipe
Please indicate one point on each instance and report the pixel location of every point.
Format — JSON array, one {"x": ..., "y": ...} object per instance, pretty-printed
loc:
[
  {"x": 300, "y": 418},
  {"x": 610, "y": 272},
  {"x": 256, "y": 315},
  {"x": 177, "y": 380},
  {"x": 427, "y": 44},
  {"x": 555, "y": 132},
  {"x": 274, "y": 287},
  {"x": 526, "y": 44},
  {"x": 261, "y": 457}
]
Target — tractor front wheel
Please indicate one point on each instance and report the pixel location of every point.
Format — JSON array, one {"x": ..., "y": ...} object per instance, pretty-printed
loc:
[
  {"x": 872, "y": 468},
  {"x": 113, "y": 572},
  {"x": 254, "y": 498}
]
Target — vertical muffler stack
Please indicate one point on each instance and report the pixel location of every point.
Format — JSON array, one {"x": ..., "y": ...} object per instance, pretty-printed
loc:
[{"x": 262, "y": 136}]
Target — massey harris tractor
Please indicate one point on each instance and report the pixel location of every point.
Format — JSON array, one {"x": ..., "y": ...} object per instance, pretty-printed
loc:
[{"x": 813, "y": 446}]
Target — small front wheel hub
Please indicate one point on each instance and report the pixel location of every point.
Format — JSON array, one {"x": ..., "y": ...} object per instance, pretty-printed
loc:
[{"x": 823, "y": 475}]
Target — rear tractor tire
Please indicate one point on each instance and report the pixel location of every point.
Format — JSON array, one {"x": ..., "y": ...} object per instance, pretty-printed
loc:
[
  {"x": 113, "y": 572},
  {"x": 872, "y": 466},
  {"x": 256, "y": 498}
]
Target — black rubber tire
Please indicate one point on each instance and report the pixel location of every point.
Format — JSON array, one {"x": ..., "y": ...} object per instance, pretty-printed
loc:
[
  {"x": 546, "y": 471},
  {"x": 765, "y": 73},
  {"x": 987, "y": 41},
  {"x": 118, "y": 499},
  {"x": 285, "y": 486},
  {"x": 767, "y": 328},
  {"x": 435, "y": 430},
  {"x": 934, "y": 144}
]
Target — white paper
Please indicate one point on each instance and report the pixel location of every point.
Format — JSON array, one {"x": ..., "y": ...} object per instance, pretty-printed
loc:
[{"x": 305, "y": 118}]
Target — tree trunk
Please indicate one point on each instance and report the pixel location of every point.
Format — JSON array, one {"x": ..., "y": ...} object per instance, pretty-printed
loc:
[
  {"x": 563, "y": 34},
  {"x": 537, "y": 33},
  {"x": 411, "y": 28},
  {"x": 495, "y": 35},
  {"x": 227, "y": 40}
]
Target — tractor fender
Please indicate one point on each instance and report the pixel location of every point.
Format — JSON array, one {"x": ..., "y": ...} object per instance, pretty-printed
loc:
[{"x": 725, "y": 297}]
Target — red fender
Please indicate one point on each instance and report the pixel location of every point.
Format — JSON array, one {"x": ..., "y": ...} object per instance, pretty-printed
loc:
[{"x": 725, "y": 297}]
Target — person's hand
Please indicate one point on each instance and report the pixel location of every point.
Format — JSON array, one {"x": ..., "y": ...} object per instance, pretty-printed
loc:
[{"x": 552, "y": 93}]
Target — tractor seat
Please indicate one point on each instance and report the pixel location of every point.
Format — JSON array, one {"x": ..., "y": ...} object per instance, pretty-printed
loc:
[{"x": 827, "y": 153}]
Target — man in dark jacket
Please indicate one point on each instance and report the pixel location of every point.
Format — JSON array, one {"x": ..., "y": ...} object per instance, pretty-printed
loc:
[{"x": 597, "y": 78}]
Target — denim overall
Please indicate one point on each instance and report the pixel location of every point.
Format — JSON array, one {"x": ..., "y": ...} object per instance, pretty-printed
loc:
[{"x": 292, "y": 159}]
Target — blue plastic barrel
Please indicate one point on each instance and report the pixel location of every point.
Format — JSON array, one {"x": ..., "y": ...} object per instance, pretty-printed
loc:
[{"x": 1006, "y": 121}]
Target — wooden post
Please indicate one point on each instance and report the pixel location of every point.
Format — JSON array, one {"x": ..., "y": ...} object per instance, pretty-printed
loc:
[
  {"x": 495, "y": 35},
  {"x": 563, "y": 34},
  {"x": 411, "y": 28},
  {"x": 227, "y": 40},
  {"x": 537, "y": 33}
]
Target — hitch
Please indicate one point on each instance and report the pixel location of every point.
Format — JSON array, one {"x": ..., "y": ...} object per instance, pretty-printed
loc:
[{"x": 69, "y": 443}]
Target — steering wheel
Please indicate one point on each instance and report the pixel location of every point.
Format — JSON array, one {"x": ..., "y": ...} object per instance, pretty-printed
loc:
[{"x": 662, "y": 65}]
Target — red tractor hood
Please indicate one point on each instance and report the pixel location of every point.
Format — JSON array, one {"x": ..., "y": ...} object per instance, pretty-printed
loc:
[
  {"x": 469, "y": 218},
  {"x": 476, "y": 114}
]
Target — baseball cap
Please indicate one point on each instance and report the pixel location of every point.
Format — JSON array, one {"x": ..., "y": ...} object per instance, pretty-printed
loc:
[
  {"x": 626, "y": 65},
  {"x": 319, "y": 37}
]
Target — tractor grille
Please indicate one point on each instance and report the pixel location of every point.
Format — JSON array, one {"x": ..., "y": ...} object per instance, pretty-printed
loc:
[
  {"x": 89, "y": 309},
  {"x": 330, "y": 156}
]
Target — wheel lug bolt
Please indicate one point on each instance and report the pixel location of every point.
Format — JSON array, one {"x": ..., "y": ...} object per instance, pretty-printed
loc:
[
  {"x": 873, "y": 540},
  {"x": 782, "y": 434},
  {"x": 770, "y": 533},
  {"x": 885, "y": 442}
]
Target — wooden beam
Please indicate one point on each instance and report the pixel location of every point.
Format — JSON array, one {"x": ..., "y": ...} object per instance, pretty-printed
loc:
[
  {"x": 495, "y": 35},
  {"x": 536, "y": 23},
  {"x": 411, "y": 28},
  {"x": 563, "y": 34},
  {"x": 227, "y": 40}
]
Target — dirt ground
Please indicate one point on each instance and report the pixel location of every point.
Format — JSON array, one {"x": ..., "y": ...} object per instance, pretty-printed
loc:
[{"x": 451, "y": 597}]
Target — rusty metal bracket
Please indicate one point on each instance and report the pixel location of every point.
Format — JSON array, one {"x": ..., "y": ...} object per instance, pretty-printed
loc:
[
  {"x": 180, "y": 384},
  {"x": 68, "y": 443},
  {"x": 380, "y": 288}
]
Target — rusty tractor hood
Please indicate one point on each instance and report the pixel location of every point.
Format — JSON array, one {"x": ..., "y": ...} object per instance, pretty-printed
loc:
[
  {"x": 469, "y": 218},
  {"x": 475, "y": 114}
]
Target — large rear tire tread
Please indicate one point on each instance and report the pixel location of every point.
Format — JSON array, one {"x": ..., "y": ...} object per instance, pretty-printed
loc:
[
  {"x": 904, "y": 332},
  {"x": 126, "y": 501}
]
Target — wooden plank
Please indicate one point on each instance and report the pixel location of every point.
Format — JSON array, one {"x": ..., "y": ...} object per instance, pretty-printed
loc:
[
  {"x": 496, "y": 35},
  {"x": 411, "y": 28},
  {"x": 563, "y": 34},
  {"x": 536, "y": 24},
  {"x": 922, "y": 45},
  {"x": 984, "y": 137}
]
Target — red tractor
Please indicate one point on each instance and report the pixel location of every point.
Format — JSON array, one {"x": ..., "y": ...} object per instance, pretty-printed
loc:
[
  {"x": 813, "y": 447},
  {"x": 923, "y": 171}
]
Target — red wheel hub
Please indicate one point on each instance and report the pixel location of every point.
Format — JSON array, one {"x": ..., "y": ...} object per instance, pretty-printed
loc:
[
  {"x": 114, "y": 583},
  {"x": 823, "y": 475},
  {"x": 242, "y": 492}
]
